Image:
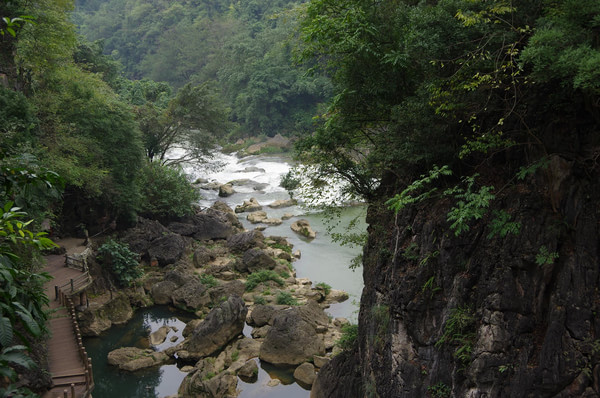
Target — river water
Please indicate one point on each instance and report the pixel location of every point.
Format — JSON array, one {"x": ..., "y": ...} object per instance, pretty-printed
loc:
[{"x": 322, "y": 260}]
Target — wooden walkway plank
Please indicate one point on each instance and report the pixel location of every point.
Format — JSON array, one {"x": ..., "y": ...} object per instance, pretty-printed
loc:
[{"x": 65, "y": 362}]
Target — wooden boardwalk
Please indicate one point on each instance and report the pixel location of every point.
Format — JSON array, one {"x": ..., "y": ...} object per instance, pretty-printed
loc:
[{"x": 65, "y": 359}]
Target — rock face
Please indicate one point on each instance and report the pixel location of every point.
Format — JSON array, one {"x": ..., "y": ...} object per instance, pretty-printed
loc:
[
  {"x": 291, "y": 340},
  {"x": 303, "y": 228},
  {"x": 132, "y": 358},
  {"x": 222, "y": 324},
  {"x": 482, "y": 314}
]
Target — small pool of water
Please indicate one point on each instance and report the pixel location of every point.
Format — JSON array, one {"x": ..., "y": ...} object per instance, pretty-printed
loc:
[{"x": 111, "y": 382}]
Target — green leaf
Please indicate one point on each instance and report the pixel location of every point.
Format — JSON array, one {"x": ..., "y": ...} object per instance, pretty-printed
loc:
[
  {"x": 30, "y": 324},
  {"x": 6, "y": 331}
]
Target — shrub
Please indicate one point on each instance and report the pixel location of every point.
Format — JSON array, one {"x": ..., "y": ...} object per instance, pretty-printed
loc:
[
  {"x": 208, "y": 280},
  {"x": 286, "y": 298},
  {"x": 122, "y": 262},
  {"x": 166, "y": 191},
  {"x": 324, "y": 286},
  {"x": 259, "y": 300},
  {"x": 349, "y": 336},
  {"x": 262, "y": 276}
]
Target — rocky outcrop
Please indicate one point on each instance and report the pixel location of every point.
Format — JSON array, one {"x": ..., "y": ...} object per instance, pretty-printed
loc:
[
  {"x": 302, "y": 227},
  {"x": 97, "y": 318},
  {"x": 222, "y": 324},
  {"x": 254, "y": 260},
  {"x": 209, "y": 225},
  {"x": 167, "y": 249},
  {"x": 132, "y": 358}
]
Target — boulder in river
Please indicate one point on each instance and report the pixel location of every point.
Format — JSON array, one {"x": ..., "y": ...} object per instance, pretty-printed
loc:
[
  {"x": 226, "y": 190},
  {"x": 291, "y": 340},
  {"x": 132, "y": 358},
  {"x": 221, "y": 325},
  {"x": 305, "y": 374},
  {"x": 278, "y": 204},
  {"x": 160, "y": 335},
  {"x": 257, "y": 217},
  {"x": 248, "y": 206},
  {"x": 303, "y": 228}
]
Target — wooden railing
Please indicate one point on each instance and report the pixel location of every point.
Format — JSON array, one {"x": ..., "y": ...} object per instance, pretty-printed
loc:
[
  {"x": 74, "y": 286},
  {"x": 88, "y": 376}
]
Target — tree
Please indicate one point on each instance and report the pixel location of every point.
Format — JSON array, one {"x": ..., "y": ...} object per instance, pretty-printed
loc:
[{"x": 187, "y": 129}]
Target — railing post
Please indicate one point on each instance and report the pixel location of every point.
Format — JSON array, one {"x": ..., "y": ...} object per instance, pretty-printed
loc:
[
  {"x": 55, "y": 292},
  {"x": 72, "y": 390},
  {"x": 65, "y": 393},
  {"x": 71, "y": 285}
]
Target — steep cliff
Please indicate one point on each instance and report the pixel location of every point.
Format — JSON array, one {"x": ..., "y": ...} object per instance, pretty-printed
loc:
[{"x": 480, "y": 315}]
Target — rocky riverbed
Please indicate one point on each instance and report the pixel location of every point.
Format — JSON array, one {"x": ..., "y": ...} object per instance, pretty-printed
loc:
[{"x": 208, "y": 265}]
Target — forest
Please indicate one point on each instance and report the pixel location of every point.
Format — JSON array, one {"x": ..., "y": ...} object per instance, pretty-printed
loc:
[{"x": 449, "y": 103}]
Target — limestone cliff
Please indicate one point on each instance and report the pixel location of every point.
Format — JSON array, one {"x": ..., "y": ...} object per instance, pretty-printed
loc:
[{"x": 480, "y": 315}]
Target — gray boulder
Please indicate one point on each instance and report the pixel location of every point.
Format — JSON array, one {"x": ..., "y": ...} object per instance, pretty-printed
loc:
[
  {"x": 167, "y": 249},
  {"x": 261, "y": 315},
  {"x": 221, "y": 325},
  {"x": 226, "y": 190},
  {"x": 192, "y": 295},
  {"x": 248, "y": 206},
  {"x": 241, "y": 242},
  {"x": 291, "y": 340},
  {"x": 278, "y": 204},
  {"x": 209, "y": 225},
  {"x": 249, "y": 371},
  {"x": 225, "y": 290},
  {"x": 132, "y": 358},
  {"x": 161, "y": 292},
  {"x": 305, "y": 374},
  {"x": 256, "y": 259},
  {"x": 302, "y": 227},
  {"x": 140, "y": 237}
]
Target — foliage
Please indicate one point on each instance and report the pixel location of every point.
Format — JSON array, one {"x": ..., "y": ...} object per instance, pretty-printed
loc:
[
  {"x": 187, "y": 129},
  {"x": 502, "y": 226},
  {"x": 439, "y": 390},
  {"x": 545, "y": 257},
  {"x": 472, "y": 205},
  {"x": 261, "y": 276},
  {"x": 285, "y": 298},
  {"x": 165, "y": 191},
  {"x": 324, "y": 286},
  {"x": 289, "y": 182},
  {"x": 459, "y": 332},
  {"x": 404, "y": 198},
  {"x": 208, "y": 280},
  {"x": 123, "y": 263},
  {"x": 349, "y": 336},
  {"x": 431, "y": 286},
  {"x": 13, "y": 24},
  {"x": 259, "y": 300}
]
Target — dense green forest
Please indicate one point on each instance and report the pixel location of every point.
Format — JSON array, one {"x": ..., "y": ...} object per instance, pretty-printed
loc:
[
  {"x": 404, "y": 94},
  {"x": 244, "y": 48}
]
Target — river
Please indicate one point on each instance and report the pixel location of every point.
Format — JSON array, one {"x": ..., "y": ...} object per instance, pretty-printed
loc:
[{"x": 322, "y": 260}]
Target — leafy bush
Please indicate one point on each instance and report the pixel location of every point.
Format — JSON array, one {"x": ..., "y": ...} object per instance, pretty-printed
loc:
[
  {"x": 289, "y": 182},
  {"x": 259, "y": 300},
  {"x": 285, "y": 298},
  {"x": 208, "y": 280},
  {"x": 262, "y": 276},
  {"x": 324, "y": 286},
  {"x": 123, "y": 262},
  {"x": 166, "y": 191},
  {"x": 349, "y": 336}
]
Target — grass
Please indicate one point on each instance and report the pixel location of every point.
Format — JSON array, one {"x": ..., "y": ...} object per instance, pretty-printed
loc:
[
  {"x": 255, "y": 278},
  {"x": 208, "y": 280},
  {"x": 285, "y": 298}
]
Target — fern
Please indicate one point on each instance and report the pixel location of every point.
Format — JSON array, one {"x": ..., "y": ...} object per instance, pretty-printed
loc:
[
  {"x": 501, "y": 225},
  {"x": 471, "y": 206},
  {"x": 410, "y": 195}
]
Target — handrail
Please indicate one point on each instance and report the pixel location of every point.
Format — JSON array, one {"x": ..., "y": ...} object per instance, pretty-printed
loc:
[
  {"x": 74, "y": 286},
  {"x": 87, "y": 362}
]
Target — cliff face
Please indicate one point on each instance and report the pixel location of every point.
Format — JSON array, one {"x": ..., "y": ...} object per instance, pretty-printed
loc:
[{"x": 478, "y": 316}]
